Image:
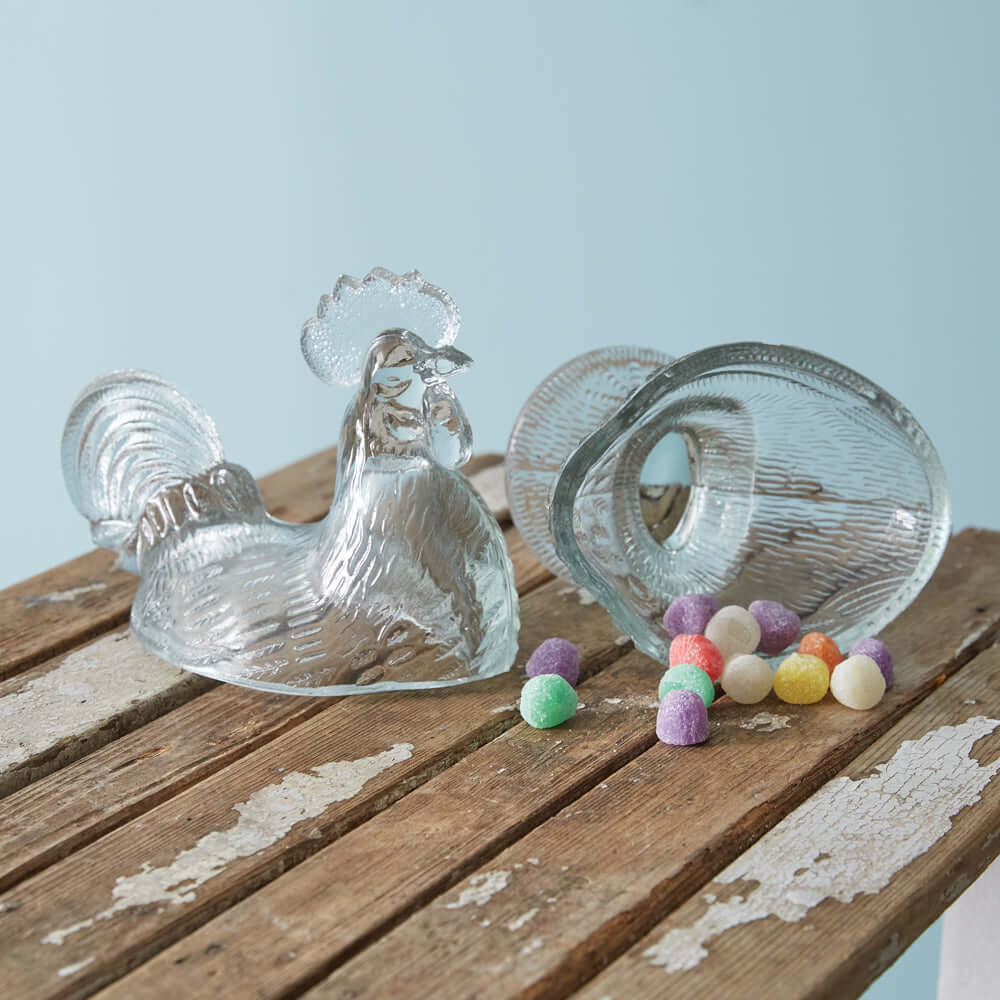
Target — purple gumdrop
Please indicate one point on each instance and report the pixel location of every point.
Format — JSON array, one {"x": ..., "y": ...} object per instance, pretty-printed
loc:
[
  {"x": 682, "y": 719},
  {"x": 879, "y": 652},
  {"x": 555, "y": 656},
  {"x": 779, "y": 626},
  {"x": 689, "y": 614}
]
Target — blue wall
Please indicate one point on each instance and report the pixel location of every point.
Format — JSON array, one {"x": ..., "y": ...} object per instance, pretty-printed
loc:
[{"x": 182, "y": 180}]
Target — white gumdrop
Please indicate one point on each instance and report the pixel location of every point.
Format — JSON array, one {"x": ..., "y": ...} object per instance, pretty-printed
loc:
[
  {"x": 857, "y": 682},
  {"x": 747, "y": 679},
  {"x": 734, "y": 631}
]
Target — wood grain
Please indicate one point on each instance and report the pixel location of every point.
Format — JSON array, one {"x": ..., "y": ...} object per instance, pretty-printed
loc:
[
  {"x": 195, "y": 831},
  {"x": 73, "y": 806},
  {"x": 406, "y": 855},
  {"x": 59, "y": 711},
  {"x": 840, "y": 946},
  {"x": 615, "y": 862},
  {"x": 72, "y": 603}
]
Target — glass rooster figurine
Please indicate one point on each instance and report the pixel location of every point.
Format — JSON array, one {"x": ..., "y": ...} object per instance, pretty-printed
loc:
[{"x": 406, "y": 583}]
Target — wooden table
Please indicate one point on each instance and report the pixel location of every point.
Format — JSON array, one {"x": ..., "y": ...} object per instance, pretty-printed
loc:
[{"x": 162, "y": 835}]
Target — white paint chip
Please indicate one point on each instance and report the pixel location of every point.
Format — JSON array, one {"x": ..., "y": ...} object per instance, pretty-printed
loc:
[
  {"x": 482, "y": 888},
  {"x": 503, "y": 708},
  {"x": 90, "y": 687},
  {"x": 63, "y": 596},
  {"x": 850, "y": 838},
  {"x": 519, "y": 922},
  {"x": 766, "y": 722},
  {"x": 264, "y": 819},
  {"x": 72, "y": 970}
]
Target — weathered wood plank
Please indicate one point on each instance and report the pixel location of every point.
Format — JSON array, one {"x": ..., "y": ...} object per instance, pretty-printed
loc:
[
  {"x": 827, "y": 900},
  {"x": 58, "y": 712},
  {"x": 86, "y": 919},
  {"x": 614, "y": 863},
  {"x": 441, "y": 831},
  {"x": 70, "y": 604},
  {"x": 60, "y": 813}
]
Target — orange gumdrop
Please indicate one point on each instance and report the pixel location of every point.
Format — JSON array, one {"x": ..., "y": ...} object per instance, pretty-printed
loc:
[{"x": 818, "y": 644}]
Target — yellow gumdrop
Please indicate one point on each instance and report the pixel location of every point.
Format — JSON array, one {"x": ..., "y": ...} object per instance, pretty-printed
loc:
[{"x": 802, "y": 679}]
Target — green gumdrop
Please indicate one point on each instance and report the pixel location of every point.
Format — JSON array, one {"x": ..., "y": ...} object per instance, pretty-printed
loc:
[
  {"x": 547, "y": 700},
  {"x": 688, "y": 677}
]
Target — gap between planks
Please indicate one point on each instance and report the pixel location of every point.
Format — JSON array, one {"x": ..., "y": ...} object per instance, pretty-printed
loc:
[
  {"x": 862, "y": 869},
  {"x": 88, "y": 596},
  {"x": 173, "y": 844},
  {"x": 300, "y": 939},
  {"x": 58, "y": 712},
  {"x": 678, "y": 814}
]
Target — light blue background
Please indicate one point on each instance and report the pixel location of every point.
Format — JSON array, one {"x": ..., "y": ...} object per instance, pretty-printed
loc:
[{"x": 181, "y": 181}]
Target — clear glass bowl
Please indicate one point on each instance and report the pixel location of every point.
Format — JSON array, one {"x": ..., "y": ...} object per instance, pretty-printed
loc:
[{"x": 810, "y": 485}]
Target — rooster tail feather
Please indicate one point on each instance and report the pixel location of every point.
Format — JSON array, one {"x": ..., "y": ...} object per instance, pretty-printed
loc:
[{"x": 129, "y": 436}]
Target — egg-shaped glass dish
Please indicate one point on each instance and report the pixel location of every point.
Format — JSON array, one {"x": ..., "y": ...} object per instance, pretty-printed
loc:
[{"x": 810, "y": 485}]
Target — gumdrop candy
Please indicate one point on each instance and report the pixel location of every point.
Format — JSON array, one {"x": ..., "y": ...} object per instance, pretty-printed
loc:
[
  {"x": 802, "y": 679},
  {"x": 879, "y": 652},
  {"x": 747, "y": 679},
  {"x": 547, "y": 700},
  {"x": 699, "y": 651},
  {"x": 689, "y": 614},
  {"x": 687, "y": 677},
  {"x": 821, "y": 645},
  {"x": 555, "y": 656},
  {"x": 734, "y": 631},
  {"x": 857, "y": 682},
  {"x": 779, "y": 626},
  {"x": 682, "y": 719}
]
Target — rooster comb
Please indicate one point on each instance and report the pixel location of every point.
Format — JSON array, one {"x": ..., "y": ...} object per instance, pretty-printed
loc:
[{"x": 335, "y": 341}]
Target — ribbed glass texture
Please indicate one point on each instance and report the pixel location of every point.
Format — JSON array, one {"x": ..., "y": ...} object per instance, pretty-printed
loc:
[
  {"x": 810, "y": 485},
  {"x": 406, "y": 583}
]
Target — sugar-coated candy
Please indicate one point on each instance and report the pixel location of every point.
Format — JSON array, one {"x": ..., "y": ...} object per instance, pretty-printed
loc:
[
  {"x": 734, "y": 631},
  {"x": 778, "y": 626},
  {"x": 879, "y": 652},
  {"x": 689, "y": 614},
  {"x": 802, "y": 679},
  {"x": 821, "y": 645},
  {"x": 698, "y": 651},
  {"x": 682, "y": 719},
  {"x": 687, "y": 677},
  {"x": 747, "y": 679},
  {"x": 547, "y": 700},
  {"x": 857, "y": 682},
  {"x": 555, "y": 656}
]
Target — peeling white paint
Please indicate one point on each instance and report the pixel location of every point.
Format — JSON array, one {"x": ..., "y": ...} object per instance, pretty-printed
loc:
[
  {"x": 519, "y": 922},
  {"x": 623, "y": 640},
  {"x": 72, "y": 970},
  {"x": 632, "y": 701},
  {"x": 63, "y": 596},
  {"x": 503, "y": 708},
  {"x": 492, "y": 486},
  {"x": 766, "y": 722},
  {"x": 482, "y": 888},
  {"x": 850, "y": 838},
  {"x": 585, "y": 596},
  {"x": 89, "y": 688},
  {"x": 264, "y": 819},
  {"x": 533, "y": 945}
]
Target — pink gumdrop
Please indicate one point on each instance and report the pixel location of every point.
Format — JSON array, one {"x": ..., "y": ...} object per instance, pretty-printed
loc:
[{"x": 699, "y": 651}]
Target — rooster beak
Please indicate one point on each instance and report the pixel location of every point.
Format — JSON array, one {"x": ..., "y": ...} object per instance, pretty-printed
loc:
[{"x": 448, "y": 361}]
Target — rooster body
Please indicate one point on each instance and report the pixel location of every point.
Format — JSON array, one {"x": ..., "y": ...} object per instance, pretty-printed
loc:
[{"x": 406, "y": 583}]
